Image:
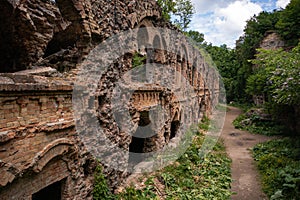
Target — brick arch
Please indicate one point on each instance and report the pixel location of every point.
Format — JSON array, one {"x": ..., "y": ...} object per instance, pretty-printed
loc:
[
  {"x": 56, "y": 148},
  {"x": 177, "y": 115}
]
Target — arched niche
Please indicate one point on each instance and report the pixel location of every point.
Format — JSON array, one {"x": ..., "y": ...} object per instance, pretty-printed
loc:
[
  {"x": 56, "y": 148},
  {"x": 157, "y": 42},
  {"x": 142, "y": 37}
]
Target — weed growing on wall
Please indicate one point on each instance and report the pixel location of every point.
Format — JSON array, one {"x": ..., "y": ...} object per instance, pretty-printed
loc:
[{"x": 101, "y": 189}]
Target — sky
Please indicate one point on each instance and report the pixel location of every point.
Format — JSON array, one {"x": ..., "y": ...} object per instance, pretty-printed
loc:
[{"x": 223, "y": 21}]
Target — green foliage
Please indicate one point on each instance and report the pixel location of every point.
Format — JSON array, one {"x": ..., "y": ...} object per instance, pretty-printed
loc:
[
  {"x": 254, "y": 32},
  {"x": 133, "y": 194},
  {"x": 101, "y": 189},
  {"x": 257, "y": 83},
  {"x": 197, "y": 37},
  {"x": 168, "y": 7},
  {"x": 192, "y": 176},
  {"x": 228, "y": 66},
  {"x": 138, "y": 60},
  {"x": 184, "y": 13},
  {"x": 256, "y": 125},
  {"x": 277, "y": 78},
  {"x": 204, "y": 124},
  {"x": 247, "y": 44},
  {"x": 197, "y": 177},
  {"x": 289, "y": 23},
  {"x": 278, "y": 162},
  {"x": 281, "y": 69}
]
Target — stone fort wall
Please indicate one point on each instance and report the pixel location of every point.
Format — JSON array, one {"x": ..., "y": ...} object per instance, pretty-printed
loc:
[{"x": 43, "y": 44}]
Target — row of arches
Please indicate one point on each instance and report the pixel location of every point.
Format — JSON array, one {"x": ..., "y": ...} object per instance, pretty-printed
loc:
[{"x": 175, "y": 51}]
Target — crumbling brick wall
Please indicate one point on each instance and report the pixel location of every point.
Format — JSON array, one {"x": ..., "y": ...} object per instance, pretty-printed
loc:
[
  {"x": 45, "y": 43},
  {"x": 38, "y": 141}
]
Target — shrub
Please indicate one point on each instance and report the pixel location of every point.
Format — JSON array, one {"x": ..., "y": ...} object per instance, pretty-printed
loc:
[{"x": 278, "y": 161}]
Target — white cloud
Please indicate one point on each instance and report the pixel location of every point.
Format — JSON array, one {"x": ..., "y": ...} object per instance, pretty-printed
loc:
[
  {"x": 225, "y": 23},
  {"x": 282, "y": 3},
  {"x": 232, "y": 19},
  {"x": 202, "y": 6}
]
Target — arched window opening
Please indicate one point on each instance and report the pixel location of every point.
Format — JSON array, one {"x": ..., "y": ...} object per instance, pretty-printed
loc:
[
  {"x": 174, "y": 128},
  {"x": 142, "y": 38},
  {"x": 144, "y": 118},
  {"x": 143, "y": 140}
]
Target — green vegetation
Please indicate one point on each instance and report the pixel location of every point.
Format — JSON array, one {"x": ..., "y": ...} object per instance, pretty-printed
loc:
[
  {"x": 279, "y": 163},
  {"x": 101, "y": 189},
  {"x": 192, "y": 176},
  {"x": 247, "y": 71},
  {"x": 277, "y": 78},
  {"x": 168, "y": 7},
  {"x": 274, "y": 74},
  {"x": 246, "y": 47},
  {"x": 255, "y": 124},
  {"x": 184, "y": 13},
  {"x": 226, "y": 62},
  {"x": 138, "y": 60},
  {"x": 182, "y": 10},
  {"x": 288, "y": 24}
]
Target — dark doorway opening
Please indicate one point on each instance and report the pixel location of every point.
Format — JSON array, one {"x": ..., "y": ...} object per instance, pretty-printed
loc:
[
  {"x": 174, "y": 128},
  {"x": 144, "y": 118},
  {"x": 142, "y": 140},
  {"x": 137, "y": 145},
  {"x": 136, "y": 148},
  {"x": 51, "y": 192}
]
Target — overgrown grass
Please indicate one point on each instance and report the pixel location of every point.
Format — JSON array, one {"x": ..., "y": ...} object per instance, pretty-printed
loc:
[
  {"x": 191, "y": 177},
  {"x": 279, "y": 163},
  {"x": 255, "y": 125}
]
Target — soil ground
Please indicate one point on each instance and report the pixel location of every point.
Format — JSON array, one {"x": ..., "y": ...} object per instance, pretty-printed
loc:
[{"x": 246, "y": 181}]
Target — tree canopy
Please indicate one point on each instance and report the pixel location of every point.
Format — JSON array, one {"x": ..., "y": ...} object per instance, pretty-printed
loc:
[
  {"x": 181, "y": 10},
  {"x": 288, "y": 24},
  {"x": 278, "y": 75}
]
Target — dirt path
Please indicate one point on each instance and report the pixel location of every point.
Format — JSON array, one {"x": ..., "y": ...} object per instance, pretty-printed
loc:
[{"x": 245, "y": 176}]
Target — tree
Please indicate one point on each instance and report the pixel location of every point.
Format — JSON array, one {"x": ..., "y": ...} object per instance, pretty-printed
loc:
[
  {"x": 247, "y": 44},
  {"x": 282, "y": 71},
  {"x": 168, "y": 7},
  {"x": 278, "y": 78},
  {"x": 182, "y": 10},
  {"x": 184, "y": 13},
  {"x": 289, "y": 23},
  {"x": 197, "y": 37},
  {"x": 226, "y": 62}
]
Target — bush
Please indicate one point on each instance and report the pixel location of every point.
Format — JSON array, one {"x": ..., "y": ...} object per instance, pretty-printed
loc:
[
  {"x": 256, "y": 122},
  {"x": 101, "y": 189},
  {"x": 278, "y": 161}
]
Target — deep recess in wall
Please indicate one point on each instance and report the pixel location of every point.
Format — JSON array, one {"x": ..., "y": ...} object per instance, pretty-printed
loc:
[{"x": 51, "y": 192}]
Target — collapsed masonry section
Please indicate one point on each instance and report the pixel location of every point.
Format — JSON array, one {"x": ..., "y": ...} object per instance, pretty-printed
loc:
[{"x": 40, "y": 157}]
